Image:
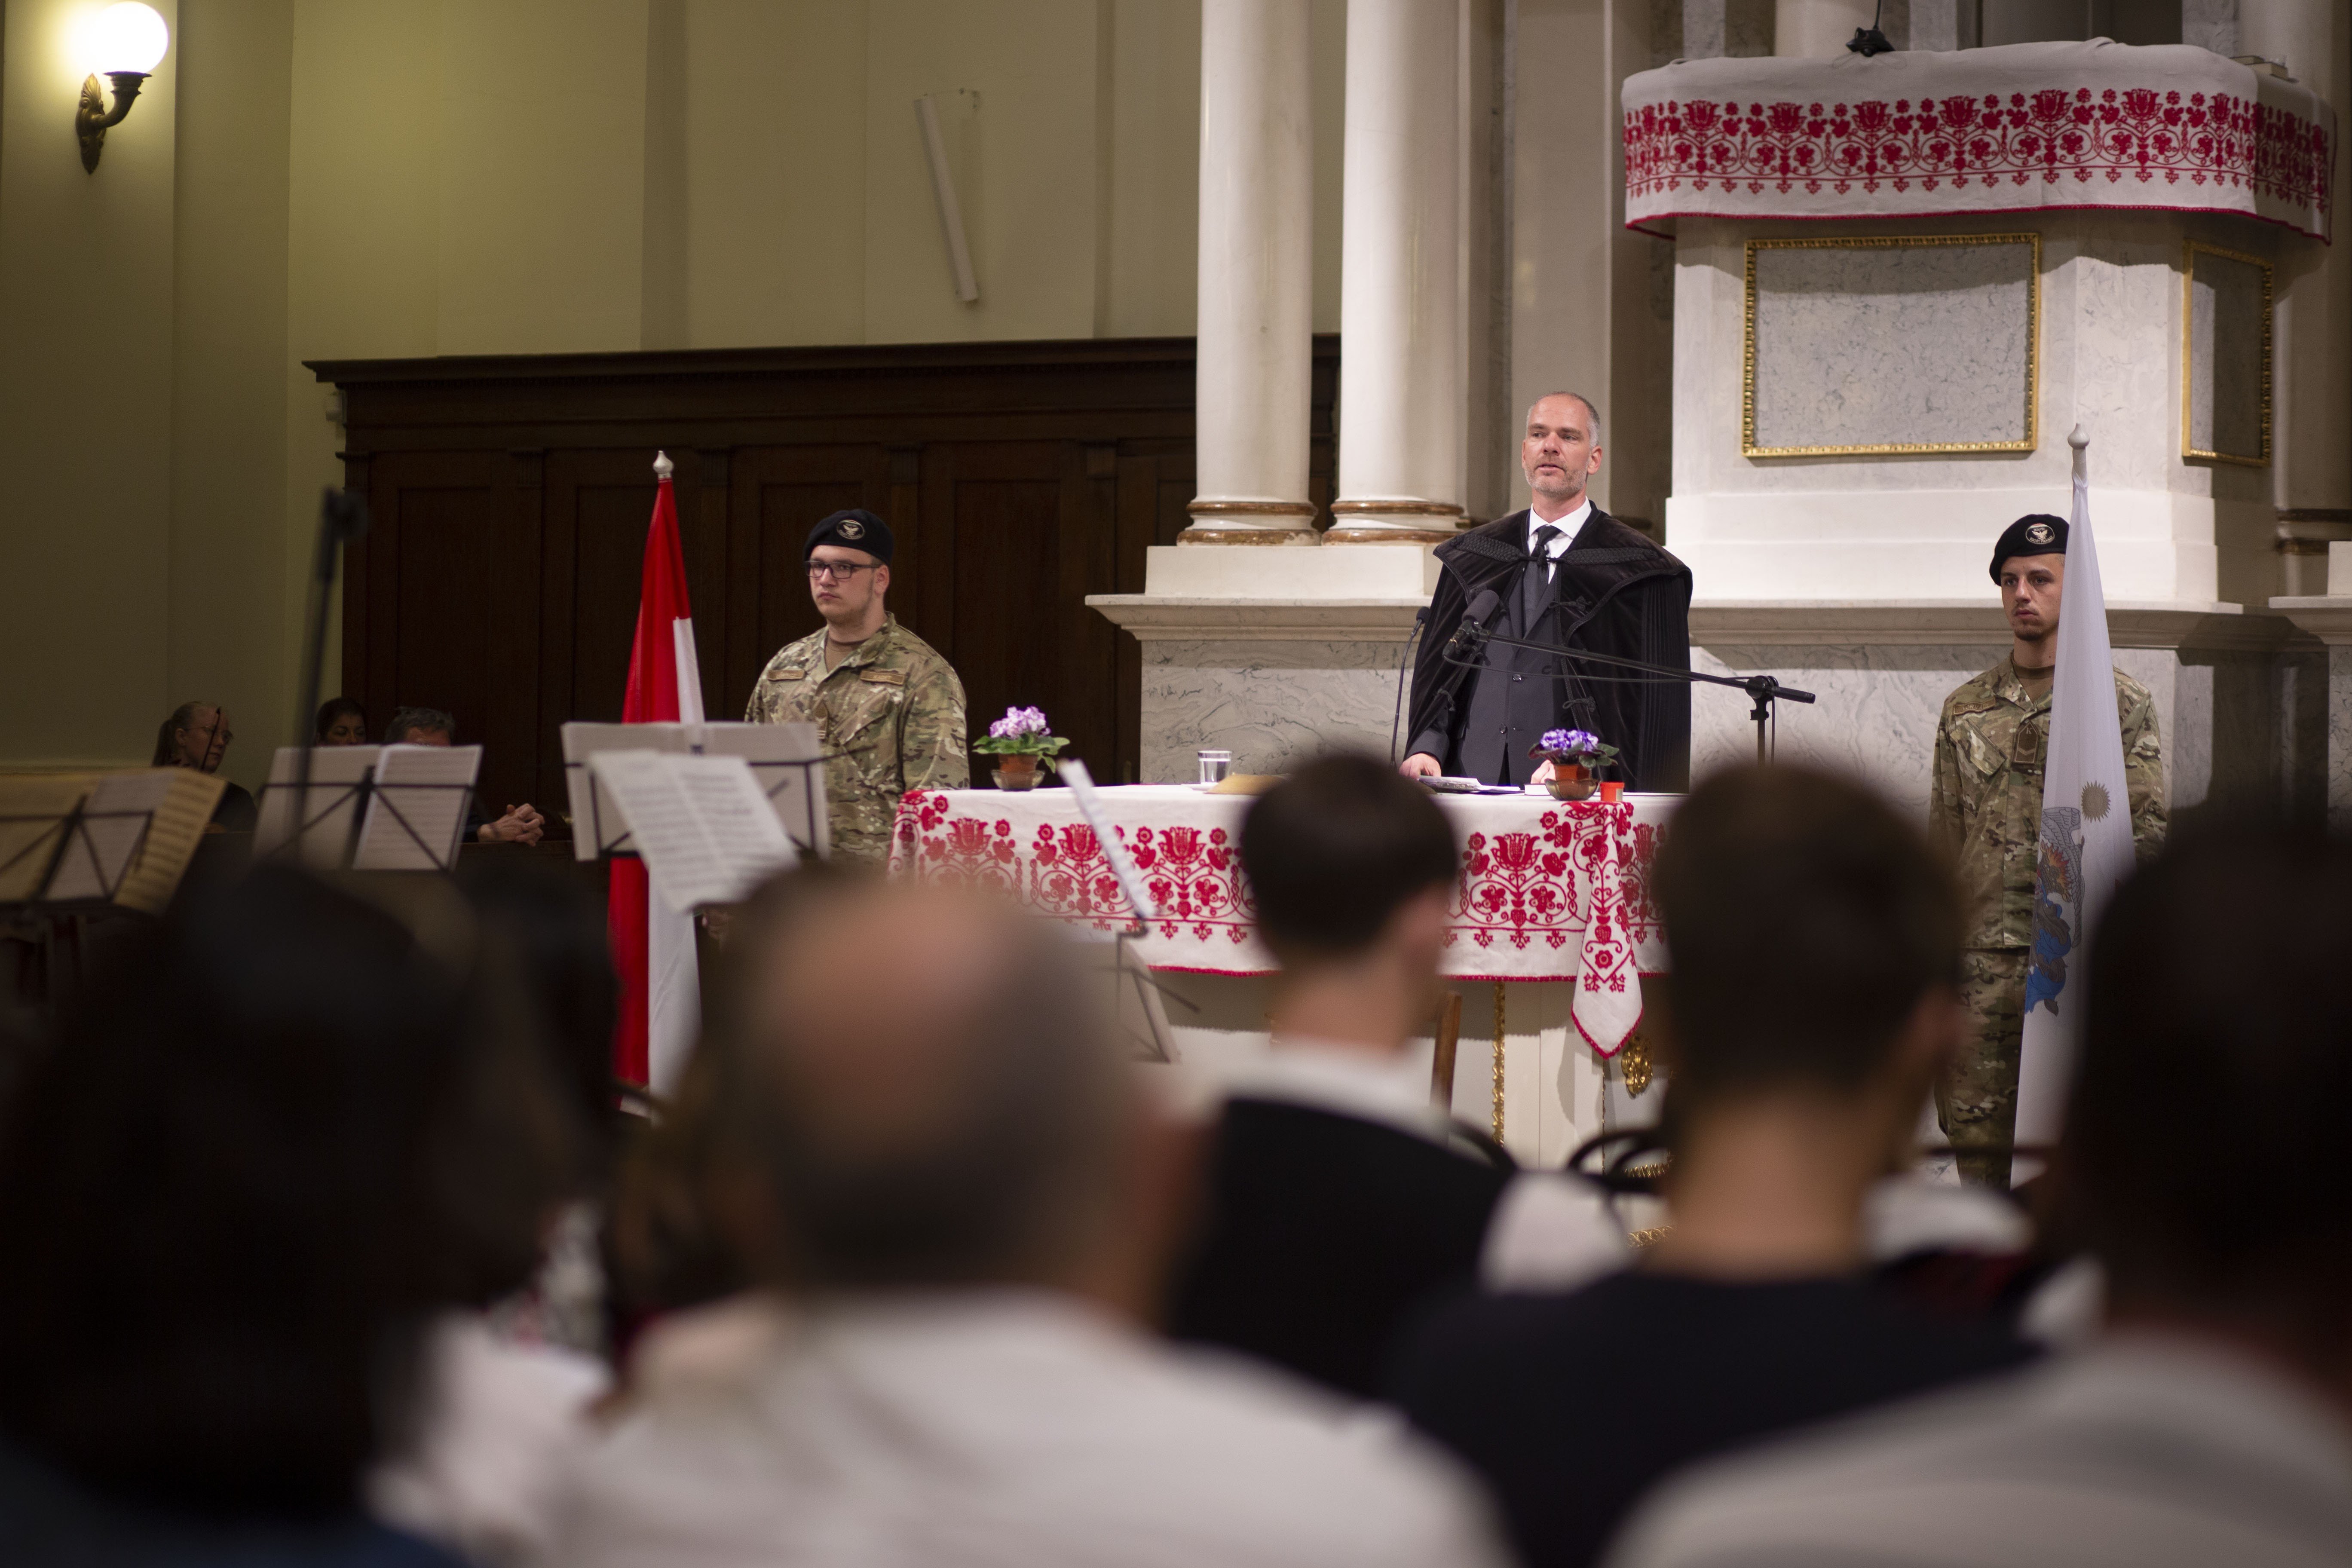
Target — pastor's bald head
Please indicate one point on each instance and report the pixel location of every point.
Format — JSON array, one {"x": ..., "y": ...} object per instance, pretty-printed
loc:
[{"x": 921, "y": 1088}]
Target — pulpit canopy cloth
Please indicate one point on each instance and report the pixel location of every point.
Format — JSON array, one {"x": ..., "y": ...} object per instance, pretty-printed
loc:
[
  {"x": 2022, "y": 128},
  {"x": 1549, "y": 890}
]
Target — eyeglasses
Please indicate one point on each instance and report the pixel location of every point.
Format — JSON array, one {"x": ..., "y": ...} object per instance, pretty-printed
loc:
[{"x": 837, "y": 571}]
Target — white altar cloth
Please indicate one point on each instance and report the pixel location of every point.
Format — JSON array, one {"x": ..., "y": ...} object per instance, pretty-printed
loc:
[
  {"x": 1549, "y": 890},
  {"x": 2017, "y": 129}
]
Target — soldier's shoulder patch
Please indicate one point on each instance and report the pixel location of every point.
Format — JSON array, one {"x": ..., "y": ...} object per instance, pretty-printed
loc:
[{"x": 880, "y": 676}]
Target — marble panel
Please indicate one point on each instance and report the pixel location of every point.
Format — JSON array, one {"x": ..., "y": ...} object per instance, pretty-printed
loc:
[
  {"x": 1866, "y": 345},
  {"x": 1875, "y": 717},
  {"x": 2239, "y": 729},
  {"x": 1273, "y": 704},
  {"x": 2228, "y": 358}
]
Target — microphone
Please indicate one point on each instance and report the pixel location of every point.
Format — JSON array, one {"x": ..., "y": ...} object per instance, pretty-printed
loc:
[{"x": 1471, "y": 635}]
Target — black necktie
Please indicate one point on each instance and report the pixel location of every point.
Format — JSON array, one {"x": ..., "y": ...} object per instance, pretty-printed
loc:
[{"x": 1535, "y": 585}]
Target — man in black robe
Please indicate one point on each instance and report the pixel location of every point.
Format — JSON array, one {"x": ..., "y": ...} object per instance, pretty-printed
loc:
[{"x": 1566, "y": 573}]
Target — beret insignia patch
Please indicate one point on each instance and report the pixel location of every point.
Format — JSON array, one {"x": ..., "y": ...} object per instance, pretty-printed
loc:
[
  {"x": 2040, "y": 534},
  {"x": 850, "y": 528}
]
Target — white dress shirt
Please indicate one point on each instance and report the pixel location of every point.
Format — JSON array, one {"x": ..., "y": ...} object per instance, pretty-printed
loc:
[
  {"x": 1006, "y": 1427},
  {"x": 2148, "y": 1451},
  {"x": 1569, "y": 526}
]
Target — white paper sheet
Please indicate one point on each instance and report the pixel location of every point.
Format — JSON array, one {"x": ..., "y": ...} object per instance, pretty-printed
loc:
[
  {"x": 702, "y": 824},
  {"x": 98, "y": 858},
  {"x": 417, "y": 814},
  {"x": 775, "y": 751},
  {"x": 335, "y": 775}
]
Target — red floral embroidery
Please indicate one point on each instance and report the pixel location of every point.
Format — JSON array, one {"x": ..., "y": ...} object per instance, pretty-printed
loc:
[
  {"x": 1561, "y": 892},
  {"x": 2148, "y": 135}
]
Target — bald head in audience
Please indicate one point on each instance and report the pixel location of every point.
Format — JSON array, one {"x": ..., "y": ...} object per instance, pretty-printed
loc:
[{"x": 922, "y": 1094}]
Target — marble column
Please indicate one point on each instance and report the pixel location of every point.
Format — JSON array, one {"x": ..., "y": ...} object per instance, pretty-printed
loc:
[
  {"x": 2311, "y": 469},
  {"x": 1817, "y": 29},
  {"x": 1256, "y": 282},
  {"x": 1401, "y": 372}
]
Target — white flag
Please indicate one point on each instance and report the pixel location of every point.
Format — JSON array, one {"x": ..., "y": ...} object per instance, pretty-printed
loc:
[{"x": 2086, "y": 837}]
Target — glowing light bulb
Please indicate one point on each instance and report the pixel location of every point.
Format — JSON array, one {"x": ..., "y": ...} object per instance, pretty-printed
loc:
[{"x": 125, "y": 37}]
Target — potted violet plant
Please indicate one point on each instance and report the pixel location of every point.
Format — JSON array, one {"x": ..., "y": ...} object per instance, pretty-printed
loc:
[
  {"x": 1023, "y": 749},
  {"x": 1576, "y": 757}
]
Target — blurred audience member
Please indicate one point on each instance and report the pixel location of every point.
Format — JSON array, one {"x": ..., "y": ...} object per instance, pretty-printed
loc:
[
  {"x": 232, "y": 1196},
  {"x": 1815, "y": 950},
  {"x": 432, "y": 727},
  {"x": 2213, "y": 1423},
  {"x": 940, "y": 1168},
  {"x": 1337, "y": 1194},
  {"x": 196, "y": 736},
  {"x": 509, "y": 1388},
  {"x": 342, "y": 722}
]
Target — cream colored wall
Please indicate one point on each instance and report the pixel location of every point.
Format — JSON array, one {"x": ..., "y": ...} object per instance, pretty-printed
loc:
[
  {"x": 86, "y": 396},
  {"x": 381, "y": 178}
]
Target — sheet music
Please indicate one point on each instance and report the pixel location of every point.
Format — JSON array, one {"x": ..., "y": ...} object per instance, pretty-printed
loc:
[
  {"x": 29, "y": 846},
  {"x": 114, "y": 819},
  {"x": 777, "y": 754},
  {"x": 335, "y": 775},
  {"x": 173, "y": 834},
  {"x": 702, "y": 824},
  {"x": 1122, "y": 865},
  {"x": 417, "y": 813}
]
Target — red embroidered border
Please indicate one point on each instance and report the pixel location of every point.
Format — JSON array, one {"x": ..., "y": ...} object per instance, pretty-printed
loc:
[{"x": 2052, "y": 135}]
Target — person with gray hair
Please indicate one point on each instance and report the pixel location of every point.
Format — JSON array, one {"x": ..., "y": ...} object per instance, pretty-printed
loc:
[
  {"x": 432, "y": 727},
  {"x": 956, "y": 1207}
]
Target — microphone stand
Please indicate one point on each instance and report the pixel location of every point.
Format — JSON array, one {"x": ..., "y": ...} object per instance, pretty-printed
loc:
[
  {"x": 1761, "y": 689},
  {"x": 342, "y": 517}
]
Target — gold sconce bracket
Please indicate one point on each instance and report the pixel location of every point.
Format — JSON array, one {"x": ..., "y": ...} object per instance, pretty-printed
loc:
[{"x": 92, "y": 118}]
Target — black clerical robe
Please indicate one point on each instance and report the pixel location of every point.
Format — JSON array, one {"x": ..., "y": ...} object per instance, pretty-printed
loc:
[{"x": 1613, "y": 591}]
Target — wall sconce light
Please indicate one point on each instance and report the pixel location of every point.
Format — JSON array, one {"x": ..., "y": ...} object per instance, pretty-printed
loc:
[{"x": 126, "y": 42}]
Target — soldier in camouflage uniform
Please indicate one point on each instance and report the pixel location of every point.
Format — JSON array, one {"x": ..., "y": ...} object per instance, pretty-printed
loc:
[
  {"x": 887, "y": 708},
  {"x": 1985, "y": 809}
]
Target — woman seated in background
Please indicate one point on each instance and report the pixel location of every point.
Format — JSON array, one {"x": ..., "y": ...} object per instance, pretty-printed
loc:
[
  {"x": 342, "y": 722},
  {"x": 196, "y": 736},
  {"x": 262, "y": 1160}
]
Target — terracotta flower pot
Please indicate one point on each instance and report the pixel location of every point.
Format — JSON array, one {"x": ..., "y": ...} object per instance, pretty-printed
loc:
[
  {"x": 1563, "y": 787},
  {"x": 1016, "y": 772}
]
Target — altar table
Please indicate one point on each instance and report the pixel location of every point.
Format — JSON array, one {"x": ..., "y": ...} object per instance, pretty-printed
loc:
[{"x": 1549, "y": 890}]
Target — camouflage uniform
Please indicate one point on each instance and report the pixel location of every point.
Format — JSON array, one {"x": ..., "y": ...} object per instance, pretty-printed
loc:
[
  {"x": 890, "y": 715},
  {"x": 1985, "y": 809}
]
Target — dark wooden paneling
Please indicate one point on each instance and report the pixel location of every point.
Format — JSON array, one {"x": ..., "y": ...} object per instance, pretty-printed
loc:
[{"x": 512, "y": 496}]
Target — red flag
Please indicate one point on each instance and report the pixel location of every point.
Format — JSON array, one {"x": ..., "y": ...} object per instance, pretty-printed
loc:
[{"x": 665, "y": 686}]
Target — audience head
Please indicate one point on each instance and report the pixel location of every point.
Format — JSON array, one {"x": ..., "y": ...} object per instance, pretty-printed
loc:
[
  {"x": 564, "y": 956},
  {"x": 290, "y": 1128},
  {"x": 196, "y": 736},
  {"x": 1347, "y": 854},
  {"x": 910, "y": 1089},
  {"x": 2204, "y": 1147},
  {"x": 342, "y": 722},
  {"x": 420, "y": 727},
  {"x": 1811, "y": 933}
]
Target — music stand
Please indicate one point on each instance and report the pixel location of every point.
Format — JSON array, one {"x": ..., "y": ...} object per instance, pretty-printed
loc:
[
  {"x": 787, "y": 760},
  {"x": 376, "y": 833}
]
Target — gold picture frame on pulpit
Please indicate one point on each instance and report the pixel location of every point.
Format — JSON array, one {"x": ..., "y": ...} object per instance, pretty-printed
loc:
[
  {"x": 2225, "y": 356},
  {"x": 1971, "y": 325}
]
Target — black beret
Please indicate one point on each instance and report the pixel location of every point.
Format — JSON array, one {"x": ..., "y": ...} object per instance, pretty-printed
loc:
[
  {"x": 855, "y": 529},
  {"x": 2037, "y": 534}
]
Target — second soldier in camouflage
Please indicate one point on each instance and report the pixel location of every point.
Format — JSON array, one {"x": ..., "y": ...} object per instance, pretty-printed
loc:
[{"x": 1985, "y": 809}]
